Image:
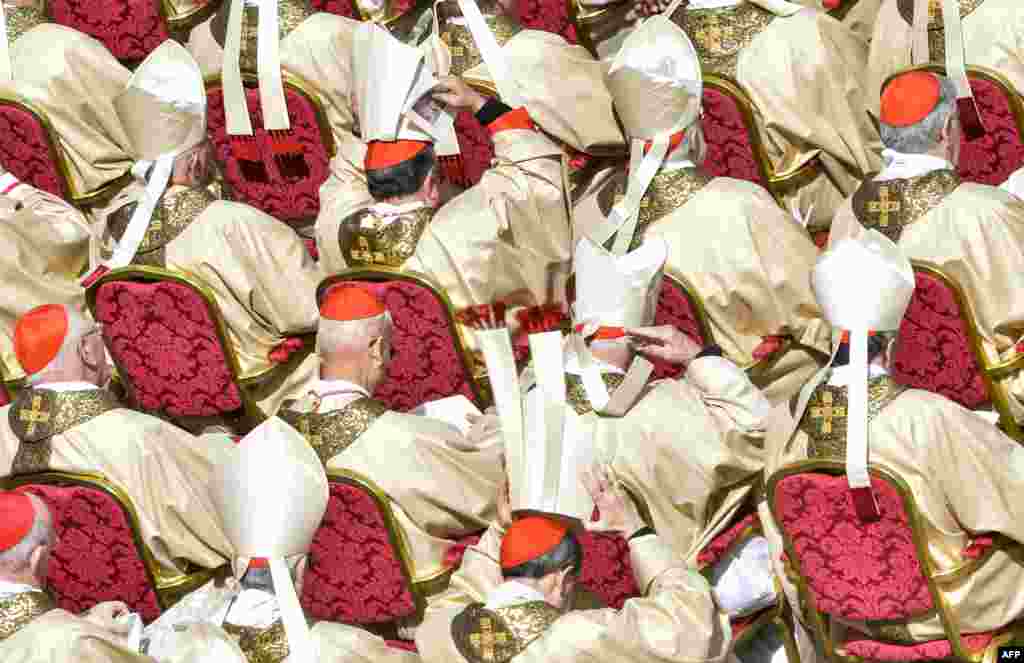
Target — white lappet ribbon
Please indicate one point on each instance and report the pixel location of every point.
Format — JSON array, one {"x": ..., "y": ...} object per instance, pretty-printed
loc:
[
  {"x": 548, "y": 366},
  {"x": 628, "y": 391},
  {"x": 491, "y": 53},
  {"x": 300, "y": 643},
  {"x": 271, "y": 85},
  {"x": 496, "y": 347}
]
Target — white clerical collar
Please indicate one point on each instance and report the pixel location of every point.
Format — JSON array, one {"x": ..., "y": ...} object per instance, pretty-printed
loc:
[
  {"x": 841, "y": 374},
  {"x": 387, "y": 209},
  {"x": 904, "y": 166},
  {"x": 338, "y": 387},
  {"x": 65, "y": 387},
  {"x": 512, "y": 592},
  {"x": 13, "y": 588},
  {"x": 253, "y": 608},
  {"x": 572, "y": 365}
]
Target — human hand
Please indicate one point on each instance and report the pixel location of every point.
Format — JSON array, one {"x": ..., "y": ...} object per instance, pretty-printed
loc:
[
  {"x": 618, "y": 513},
  {"x": 454, "y": 93},
  {"x": 664, "y": 342},
  {"x": 106, "y": 615}
]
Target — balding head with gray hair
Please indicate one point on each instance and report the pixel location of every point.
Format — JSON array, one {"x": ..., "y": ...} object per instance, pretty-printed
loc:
[
  {"x": 355, "y": 350},
  {"x": 26, "y": 561},
  {"x": 923, "y": 137}
]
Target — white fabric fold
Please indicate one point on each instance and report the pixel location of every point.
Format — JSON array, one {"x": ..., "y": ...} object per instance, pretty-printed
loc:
[
  {"x": 128, "y": 246},
  {"x": 901, "y": 166},
  {"x": 268, "y": 68},
  {"x": 496, "y": 347},
  {"x": 6, "y": 74},
  {"x": 857, "y": 416},
  {"x": 300, "y": 643},
  {"x": 491, "y": 53},
  {"x": 546, "y": 354}
]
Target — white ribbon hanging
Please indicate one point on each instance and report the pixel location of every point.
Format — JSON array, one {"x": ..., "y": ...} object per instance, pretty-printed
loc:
[
  {"x": 496, "y": 347},
  {"x": 6, "y": 73},
  {"x": 300, "y": 644},
  {"x": 271, "y": 85},
  {"x": 857, "y": 416},
  {"x": 548, "y": 365},
  {"x": 491, "y": 53}
]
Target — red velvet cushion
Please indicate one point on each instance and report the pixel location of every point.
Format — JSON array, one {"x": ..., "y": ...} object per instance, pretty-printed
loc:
[
  {"x": 425, "y": 365},
  {"x": 934, "y": 650},
  {"x": 855, "y": 570},
  {"x": 993, "y": 158},
  {"x": 730, "y": 152},
  {"x": 340, "y": 7},
  {"x": 163, "y": 337},
  {"x": 607, "y": 571},
  {"x": 475, "y": 146},
  {"x": 354, "y": 574},
  {"x": 933, "y": 351},
  {"x": 284, "y": 199},
  {"x": 549, "y": 15},
  {"x": 407, "y": 645},
  {"x": 26, "y": 150},
  {"x": 721, "y": 544},
  {"x": 130, "y": 29},
  {"x": 675, "y": 308},
  {"x": 4, "y": 398},
  {"x": 96, "y": 559}
]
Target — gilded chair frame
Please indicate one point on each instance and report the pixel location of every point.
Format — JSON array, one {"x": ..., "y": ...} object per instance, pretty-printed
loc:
[
  {"x": 169, "y": 588},
  {"x": 992, "y": 372},
  {"x": 420, "y": 590},
  {"x": 934, "y": 578},
  {"x": 251, "y": 412},
  {"x": 383, "y": 273},
  {"x": 182, "y": 23},
  {"x": 296, "y": 83},
  {"x": 81, "y": 199}
]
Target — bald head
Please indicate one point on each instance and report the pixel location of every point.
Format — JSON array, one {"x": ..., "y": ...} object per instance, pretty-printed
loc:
[
  {"x": 81, "y": 356},
  {"x": 355, "y": 350}
]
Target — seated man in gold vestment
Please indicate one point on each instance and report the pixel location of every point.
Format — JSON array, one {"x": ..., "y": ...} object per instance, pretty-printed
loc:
[
  {"x": 441, "y": 485},
  {"x": 745, "y": 258},
  {"x": 527, "y": 614},
  {"x": 260, "y": 273},
  {"x": 972, "y": 232},
  {"x": 960, "y": 469},
  {"x": 32, "y": 628},
  {"x": 271, "y": 492},
  {"x": 66, "y": 420}
]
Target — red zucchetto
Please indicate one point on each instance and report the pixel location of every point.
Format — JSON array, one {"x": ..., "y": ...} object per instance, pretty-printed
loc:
[
  {"x": 39, "y": 335},
  {"x": 346, "y": 302},
  {"x": 530, "y": 538},
  {"x": 385, "y": 154},
  {"x": 17, "y": 513},
  {"x": 909, "y": 98}
]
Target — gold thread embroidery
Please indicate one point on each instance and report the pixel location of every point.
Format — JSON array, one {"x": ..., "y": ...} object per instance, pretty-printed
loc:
[
  {"x": 720, "y": 35},
  {"x": 261, "y": 645},
  {"x": 576, "y": 393},
  {"x": 825, "y": 419},
  {"x": 22, "y": 19},
  {"x": 172, "y": 216},
  {"x": 891, "y": 206},
  {"x": 330, "y": 433},
  {"x": 39, "y": 414},
  {"x": 667, "y": 193},
  {"x": 365, "y": 239},
  {"x": 499, "y": 635},
  {"x": 462, "y": 47},
  {"x": 528, "y": 621},
  {"x": 18, "y": 611}
]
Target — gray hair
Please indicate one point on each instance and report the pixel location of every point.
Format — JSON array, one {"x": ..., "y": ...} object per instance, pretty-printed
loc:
[
  {"x": 78, "y": 328},
  {"x": 351, "y": 336},
  {"x": 920, "y": 138},
  {"x": 41, "y": 534}
]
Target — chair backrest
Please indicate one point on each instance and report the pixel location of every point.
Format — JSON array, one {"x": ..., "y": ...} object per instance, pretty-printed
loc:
[
  {"x": 168, "y": 341},
  {"x": 679, "y": 305},
  {"x": 938, "y": 348},
  {"x": 607, "y": 570},
  {"x": 100, "y": 555},
  {"x": 428, "y": 358},
  {"x": 287, "y": 188},
  {"x": 130, "y": 29},
  {"x": 29, "y": 147},
  {"x": 730, "y": 132},
  {"x": 359, "y": 569}
]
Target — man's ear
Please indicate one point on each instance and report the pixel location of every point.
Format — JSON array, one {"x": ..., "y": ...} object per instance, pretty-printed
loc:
[
  {"x": 35, "y": 560},
  {"x": 377, "y": 347}
]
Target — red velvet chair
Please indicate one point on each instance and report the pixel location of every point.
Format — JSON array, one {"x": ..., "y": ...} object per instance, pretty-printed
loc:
[
  {"x": 865, "y": 571},
  {"x": 939, "y": 349},
  {"x": 130, "y": 29},
  {"x": 100, "y": 555},
  {"x": 169, "y": 343},
  {"x": 428, "y": 358},
  {"x": 287, "y": 188}
]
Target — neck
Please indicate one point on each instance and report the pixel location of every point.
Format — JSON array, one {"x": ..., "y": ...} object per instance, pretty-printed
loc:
[
  {"x": 617, "y": 354},
  {"x": 347, "y": 373},
  {"x": 57, "y": 376}
]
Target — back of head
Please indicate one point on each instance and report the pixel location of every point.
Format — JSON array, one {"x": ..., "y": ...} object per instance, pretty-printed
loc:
[
  {"x": 350, "y": 318},
  {"x": 536, "y": 546},
  {"x": 915, "y": 108},
  {"x": 26, "y": 535},
  {"x": 47, "y": 343}
]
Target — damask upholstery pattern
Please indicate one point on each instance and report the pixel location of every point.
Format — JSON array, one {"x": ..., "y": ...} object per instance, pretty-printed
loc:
[
  {"x": 344, "y": 8},
  {"x": 721, "y": 544},
  {"x": 994, "y": 157},
  {"x": 730, "y": 150},
  {"x": 26, "y": 150},
  {"x": 425, "y": 363},
  {"x": 164, "y": 340},
  {"x": 607, "y": 571},
  {"x": 933, "y": 350},
  {"x": 934, "y": 650},
  {"x": 96, "y": 558},
  {"x": 549, "y": 15},
  {"x": 130, "y": 29},
  {"x": 675, "y": 308},
  {"x": 475, "y": 146},
  {"x": 285, "y": 198},
  {"x": 355, "y": 575},
  {"x": 854, "y": 569}
]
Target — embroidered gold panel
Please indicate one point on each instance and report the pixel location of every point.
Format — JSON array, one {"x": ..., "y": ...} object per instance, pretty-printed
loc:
[
  {"x": 936, "y": 32},
  {"x": 463, "y": 49},
  {"x": 260, "y": 645},
  {"x": 290, "y": 13},
  {"x": 330, "y": 433},
  {"x": 22, "y": 19},
  {"x": 667, "y": 193},
  {"x": 367, "y": 240},
  {"x": 39, "y": 414},
  {"x": 18, "y": 610},
  {"x": 825, "y": 419},
  {"x": 497, "y": 636},
  {"x": 720, "y": 35},
  {"x": 889, "y": 207},
  {"x": 576, "y": 394},
  {"x": 171, "y": 217}
]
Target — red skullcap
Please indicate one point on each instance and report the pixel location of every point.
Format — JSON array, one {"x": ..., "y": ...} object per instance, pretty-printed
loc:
[
  {"x": 909, "y": 98},
  {"x": 529, "y": 538},
  {"x": 38, "y": 336},
  {"x": 384, "y": 154},
  {"x": 348, "y": 301},
  {"x": 17, "y": 513}
]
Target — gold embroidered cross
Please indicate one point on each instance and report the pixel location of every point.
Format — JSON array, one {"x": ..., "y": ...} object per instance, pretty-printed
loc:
[
  {"x": 364, "y": 254},
  {"x": 883, "y": 206},
  {"x": 826, "y": 412},
  {"x": 455, "y": 51},
  {"x": 934, "y": 9},
  {"x": 710, "y": 32},
  {"x": 34, "y": 416},
  {"x": 486, "y": 639}
]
